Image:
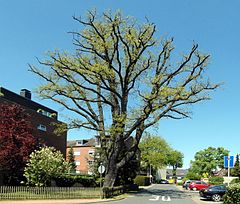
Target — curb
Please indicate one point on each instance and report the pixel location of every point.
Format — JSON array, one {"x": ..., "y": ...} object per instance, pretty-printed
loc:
[{"x": 106, "y": 201}]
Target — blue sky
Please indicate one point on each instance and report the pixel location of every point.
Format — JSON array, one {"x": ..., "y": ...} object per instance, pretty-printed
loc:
[{"x": 29, "y": 28}]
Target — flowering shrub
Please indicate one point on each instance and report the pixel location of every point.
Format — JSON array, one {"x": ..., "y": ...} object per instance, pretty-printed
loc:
[
  {"x": 44, "y": 165},
  {"x": 233, "y": 194}
]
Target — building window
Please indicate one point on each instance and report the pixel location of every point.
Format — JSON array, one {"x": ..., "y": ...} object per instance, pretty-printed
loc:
[
  {"x": 91, "y": 152},
  {"x": 77, "y": 163},
  {"x": 46, "y": 113},
  {"x": 97, "y": 142},
  {"x": 90, "y": 162},
  {"x": 42, "y": 127},
  {"x": 77, "y": 153}
]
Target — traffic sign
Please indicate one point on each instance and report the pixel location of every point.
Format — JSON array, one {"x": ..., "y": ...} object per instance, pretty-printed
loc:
[
  {"x": 228, "y": 161},
  {"x": 101, "y": 169}
]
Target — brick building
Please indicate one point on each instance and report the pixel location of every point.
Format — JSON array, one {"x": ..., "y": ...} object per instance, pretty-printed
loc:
[
  {"x": 41, "y": 118},
  {"x": 84, "y": 151}
]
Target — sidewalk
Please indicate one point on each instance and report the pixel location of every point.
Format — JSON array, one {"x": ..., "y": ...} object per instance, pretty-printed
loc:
[{"x": 70, "y": 201}]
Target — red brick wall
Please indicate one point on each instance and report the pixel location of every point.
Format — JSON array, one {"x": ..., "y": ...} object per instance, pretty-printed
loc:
[{"x": 84, "y": 157}]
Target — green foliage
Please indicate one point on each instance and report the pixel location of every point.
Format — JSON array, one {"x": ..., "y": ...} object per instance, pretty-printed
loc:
[
  {"x": 180, "y": 183},
  {"x": 154, "y": 151},
  {"x": 175, "y": 159},
  {"x": 142, "y": 180},
  {"x": 44, "y": 165},
  {"x": 235, "y": 171},
  {"x": 236, "y": 180},
  {"x": 191, "y": 175},
  {"x": 71, "y": 161},
  {"x": 216, "y": 180},
  {"x": 232, "y": 195},
  {"x": 69, "y": 180},
  {"x": 208, "y": 160}
]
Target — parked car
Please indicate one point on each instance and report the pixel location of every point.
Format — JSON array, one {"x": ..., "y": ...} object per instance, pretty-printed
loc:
[
  {"x": 198, "y": 185},
  {"x": 186, "y": 184},
  {"x": 163, "y": 181},
  {"x": 214, "y": 193}
]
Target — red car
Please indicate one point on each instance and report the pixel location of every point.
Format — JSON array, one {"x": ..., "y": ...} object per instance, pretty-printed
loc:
[{"x": 198, "y": 185}]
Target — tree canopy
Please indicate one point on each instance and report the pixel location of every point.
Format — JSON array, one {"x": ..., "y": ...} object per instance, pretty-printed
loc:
[
  {"x": 208, "y": 160},
  {"x": 16, "y": 139},
  {"x": 154, "y": 151},
  {"x": 120, "y": 80},
  {"x": 175, "y": 159}
]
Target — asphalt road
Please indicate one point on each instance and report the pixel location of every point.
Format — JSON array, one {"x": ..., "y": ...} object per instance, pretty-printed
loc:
[{"x": 159, "y": 193}]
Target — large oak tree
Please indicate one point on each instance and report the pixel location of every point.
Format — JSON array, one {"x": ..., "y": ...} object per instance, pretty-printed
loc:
[{"x": 120, "y": 81}]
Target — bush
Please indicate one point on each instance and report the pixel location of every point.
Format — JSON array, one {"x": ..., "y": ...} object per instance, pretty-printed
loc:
[
  {"x": 69, "y": 180},
  {"x": 232, "y": 195},
  {"x": 65, "y": 181},
  {"x": 142, "y": 180},
  {"x": 215, "y": 180},
  {"x": 85, "y": 181},
  {"x": 236, "y": 180}
]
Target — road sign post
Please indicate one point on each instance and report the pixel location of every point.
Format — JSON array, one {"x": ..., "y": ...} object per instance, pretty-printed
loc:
[
  {"x": 228, "y": 163},
  {"x": 101, "y": 170}
]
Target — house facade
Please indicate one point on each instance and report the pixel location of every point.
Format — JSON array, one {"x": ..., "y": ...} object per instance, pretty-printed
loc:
[
  {"x": 84, "y": 151},
  {"x": 180, "y": 174},
  {"x": 42, "y": 118}
]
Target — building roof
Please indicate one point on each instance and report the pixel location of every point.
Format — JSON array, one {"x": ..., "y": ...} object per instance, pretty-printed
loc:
[
  {"x": 180, "y": 172},
  {"x": 82, "y": 143},
  {"x": 24, "y": 101}
]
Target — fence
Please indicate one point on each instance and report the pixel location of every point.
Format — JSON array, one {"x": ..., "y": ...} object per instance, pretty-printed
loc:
[
  {"x": 22, "y": 192},
  {"x": 111, "y": 192}
]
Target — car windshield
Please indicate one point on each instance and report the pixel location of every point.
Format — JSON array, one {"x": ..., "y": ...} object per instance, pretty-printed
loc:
[{"x": 220, "y": 187}]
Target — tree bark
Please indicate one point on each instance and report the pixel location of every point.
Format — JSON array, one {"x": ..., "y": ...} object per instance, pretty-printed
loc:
[{"x": 110, "y": 176}]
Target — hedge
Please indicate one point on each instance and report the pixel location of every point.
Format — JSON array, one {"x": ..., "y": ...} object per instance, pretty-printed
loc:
[
  {"x": 216, "y": 180},
  {"x": 142, "y": 180},
  {"x": 69, "y": 180},
  {"x": 232, "y": 195}
]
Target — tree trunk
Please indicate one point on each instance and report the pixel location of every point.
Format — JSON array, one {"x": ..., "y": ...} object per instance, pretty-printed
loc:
[{"x": 110, "y": 176}]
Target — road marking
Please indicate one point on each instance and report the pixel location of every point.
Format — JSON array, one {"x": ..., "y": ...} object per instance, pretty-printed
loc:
[
  {"x": 155, "y": 198},
  {"x": 164, "y": 198}
]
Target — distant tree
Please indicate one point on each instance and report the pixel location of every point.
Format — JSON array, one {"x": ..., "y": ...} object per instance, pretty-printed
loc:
[
  {"x": 44, "y": 165},
  {"x": 71, "y": 161},
  {"x": 154, "y": 151},
  {"x": 120, "y": 81},
  {"x": 16, "y": 139},
  {"x": 208, "y": 160},
  {"x": 175, "y": 159},
  {"x": 235, "y": 171},
  {"x": 193, "y": 175}
]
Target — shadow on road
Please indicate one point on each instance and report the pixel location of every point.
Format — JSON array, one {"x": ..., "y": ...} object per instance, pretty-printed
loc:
[{"x": 172, "y": 192}]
